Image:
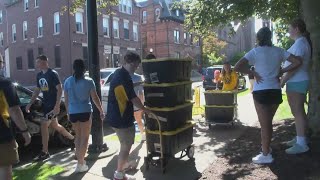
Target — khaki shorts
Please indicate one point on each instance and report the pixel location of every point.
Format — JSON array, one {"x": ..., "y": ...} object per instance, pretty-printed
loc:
[
  {"x": 9, "y": 153},
  {"x": 126, "y": 135}
]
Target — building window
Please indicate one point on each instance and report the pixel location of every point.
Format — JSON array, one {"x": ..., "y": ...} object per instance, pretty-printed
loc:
[
  {"x": 19, "y": 63},
  {"x": 135, "y": 31},
  {"x": 25, "y": 30},
  {"x": 105, "y": 25},
  {"x": 144, "y": 17},
  {"x": 57, "y": 56},
  {"x": 30, "y": 59},
  {"x": 79, "y": 22},
  {"x": 126, "y": 29},
  {"x": 26, "y": 5},
  {"x": 1, "y": 17},
  {"x": 191, "y": 39},
  {"x": 1, "y": 39},
  {"x": 14, "y": 33},
  {"x": 177, "y": 12},
  {"x": 36, "y": 3},
  {"x": 185, "y": 38},
  {"x": 56, "y": 21},
  {"x": 157, "y": 14},
  {"x": 125, "y": 6},
  {"x": 40, "y": 27},
  {"x": 176, "y": 34},
  {"x": 177, "y": 55},
  {"x": 116, "y": 28},
  {"x": 40, "y": 51}
]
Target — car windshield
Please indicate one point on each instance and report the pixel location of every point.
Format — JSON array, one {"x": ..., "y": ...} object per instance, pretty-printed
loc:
[
  {"x": 24, "y": 97},
  {"x": 105, "y": 74}
]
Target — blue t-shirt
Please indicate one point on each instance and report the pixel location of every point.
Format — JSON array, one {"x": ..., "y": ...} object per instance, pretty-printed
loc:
[
  {"x": 47, "y": 83},
  {"x": 120, "y": 107},
  {"x": 79, "y": 94}
]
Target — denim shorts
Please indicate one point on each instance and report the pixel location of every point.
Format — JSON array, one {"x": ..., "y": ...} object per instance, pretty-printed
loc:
[{"x": 299, "y": 87}]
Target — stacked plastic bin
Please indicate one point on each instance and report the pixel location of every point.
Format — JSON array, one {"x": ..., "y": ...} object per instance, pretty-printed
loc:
[
  {"x": 167, "y": 94},
  {"x": 221, "y": 107}
]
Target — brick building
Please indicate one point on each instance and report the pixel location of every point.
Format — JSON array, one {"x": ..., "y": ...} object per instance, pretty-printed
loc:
[
  {"x": 32, "y": 27},
  {"x": 163, "y": 32}
]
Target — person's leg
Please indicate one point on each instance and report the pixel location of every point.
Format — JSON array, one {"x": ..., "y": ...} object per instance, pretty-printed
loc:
[
  {"x": 138, "y": 117},
  {"x": 76, "y": 128},
  {"x": 85, "y": 129},
  {"x": 55, "y": 125},
  {"x": 45, "y": 135},
  {"x": 6, "y": 172}
]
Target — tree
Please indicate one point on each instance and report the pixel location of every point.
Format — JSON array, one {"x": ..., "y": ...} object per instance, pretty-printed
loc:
[
  {"x": 211, "y": 48},
  {"x": 281, "y": 30},
  {"x": 103, "y": 4},
  {"x": 203, "y": 15}
]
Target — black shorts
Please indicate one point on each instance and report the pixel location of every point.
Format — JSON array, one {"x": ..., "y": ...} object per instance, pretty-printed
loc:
[
  {"x": 81, "y": 117},
  {"x": 268, "y": 96}
]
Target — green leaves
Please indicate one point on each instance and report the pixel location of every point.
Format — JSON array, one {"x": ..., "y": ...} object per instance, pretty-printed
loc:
[{"x": 102, "y": 4}]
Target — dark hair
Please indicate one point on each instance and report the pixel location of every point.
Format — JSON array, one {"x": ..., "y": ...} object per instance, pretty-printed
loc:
[
  {"x": 301, "y": 25},
  {"x": 264, "y": 36},
  {"x": 223, "y": 70},
  {"x": 43, "y": 58},
  {"x": 150, "y": 56},
  {"x": 132, "y": 57},
  {"x": 79, "y": 69}
]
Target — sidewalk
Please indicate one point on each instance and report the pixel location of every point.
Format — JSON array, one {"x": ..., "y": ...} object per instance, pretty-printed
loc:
[{"x": 208, "y": 144}]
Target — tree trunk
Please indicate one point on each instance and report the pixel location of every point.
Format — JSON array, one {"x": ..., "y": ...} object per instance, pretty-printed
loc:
[{"x": 311, "y": 15}]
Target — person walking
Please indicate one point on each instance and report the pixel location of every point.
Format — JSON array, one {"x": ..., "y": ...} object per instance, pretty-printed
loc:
[
  {"x": 267, "y": 60},
  {"x": 297, "y": 84},
  {"x": 120, "y": 114},
  {"x": 49, "y": 84},
  {"x": 9, "y": 108},
  {"x": 77, "y": 92}
]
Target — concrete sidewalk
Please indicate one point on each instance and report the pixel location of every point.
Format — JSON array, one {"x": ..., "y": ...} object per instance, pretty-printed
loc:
[{"x": 208, "y": 144}]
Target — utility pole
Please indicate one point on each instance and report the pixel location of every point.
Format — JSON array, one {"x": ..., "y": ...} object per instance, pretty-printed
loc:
[{"x": 97, "y": 145}]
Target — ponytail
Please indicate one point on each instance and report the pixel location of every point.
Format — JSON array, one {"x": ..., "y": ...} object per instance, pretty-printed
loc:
[{"x": 79, "y": 69}]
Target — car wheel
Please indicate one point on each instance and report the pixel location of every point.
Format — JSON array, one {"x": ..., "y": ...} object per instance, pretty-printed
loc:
[{"x": 68, "y": 126}]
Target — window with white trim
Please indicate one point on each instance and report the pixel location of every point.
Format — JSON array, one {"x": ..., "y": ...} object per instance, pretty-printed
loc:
[
  {"x": 126, "y": 29},
  {"x": 105, "y": 25},
  {"x": 56, "y": 22},
  {"x": 25, "y": 30},
  {"x": 135, "y": 31},
  {"x": 79, "y": 22},
  {"x": 40, "y": 27},
  {"x": 36, "y": 3},
  {"x": 176, "y": 35},
  {"x": 116, "y": 28},
  {"x": 26, "y": 5},
  {"x": 1, "y": 17},
  {"x": 144, "y": 17},
  {"x": 185, "y": 38},
  {"x": 125, "y": 6},
  {"x": 177, "y": 12},
  {"x": 1, "y": 39},
  {"x": 14, "y": 33}
]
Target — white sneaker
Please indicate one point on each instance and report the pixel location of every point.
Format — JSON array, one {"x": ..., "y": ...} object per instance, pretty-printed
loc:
[
  {"x": 83, "y": 168},
  {"x": 122, "y": 176},
  {"x": 262, "y": 159}
]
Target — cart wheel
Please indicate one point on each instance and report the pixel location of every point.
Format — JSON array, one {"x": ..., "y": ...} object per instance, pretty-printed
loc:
[
  {"x": 146, "y": 163},
  {"x": 190, "y": 152}
]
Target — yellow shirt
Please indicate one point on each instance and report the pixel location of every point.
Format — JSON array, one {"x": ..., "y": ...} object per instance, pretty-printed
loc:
[{"x": 230, "y": 81}]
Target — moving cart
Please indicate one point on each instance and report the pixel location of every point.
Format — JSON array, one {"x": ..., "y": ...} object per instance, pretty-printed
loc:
[
  {"x": 163, "y": 145},
  {"x": 221, "y": 107}
]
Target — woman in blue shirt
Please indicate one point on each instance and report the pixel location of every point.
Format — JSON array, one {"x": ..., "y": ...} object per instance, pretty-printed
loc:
[{"x": 77, "y": 91}]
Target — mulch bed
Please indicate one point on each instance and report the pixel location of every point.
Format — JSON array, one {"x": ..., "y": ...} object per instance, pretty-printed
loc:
[{"x": 235, "y": 160}]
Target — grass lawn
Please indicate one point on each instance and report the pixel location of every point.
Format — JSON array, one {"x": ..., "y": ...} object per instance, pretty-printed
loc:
[{"x": 37, "y": 171}]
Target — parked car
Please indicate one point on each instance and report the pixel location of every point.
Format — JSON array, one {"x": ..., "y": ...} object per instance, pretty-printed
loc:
[
  {"x": 104, "y": 74},
  {"x": 208, "y": 76},
  {"x": 33, "y": 118}
]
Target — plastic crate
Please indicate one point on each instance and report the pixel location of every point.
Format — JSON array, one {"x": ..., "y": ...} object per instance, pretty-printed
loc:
[
  {"x": 220, "y": 114},
  {"x": 221, "y": 98},
  {"x": 170, "y": 118},
  {"x": 172, "y": 141},
  {"x": 168, "y": 70},
  {"x": 167, "y": 94}
]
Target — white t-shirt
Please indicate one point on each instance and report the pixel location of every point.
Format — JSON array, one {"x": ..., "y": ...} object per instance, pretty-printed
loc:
[
  {"x": 267, "y": 62},
  {"x": 301, "y": 47}
]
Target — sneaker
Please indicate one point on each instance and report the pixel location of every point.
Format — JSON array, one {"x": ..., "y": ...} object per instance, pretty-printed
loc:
[
  {"x": 122, "y": 176},
  {"x": 292, "y": 142},
  {"x": 42, "y": 156},
  {"x": 297, "y": 149},
  {"x": 81, "y": 168},
  {"x": 262, "y": 159}
]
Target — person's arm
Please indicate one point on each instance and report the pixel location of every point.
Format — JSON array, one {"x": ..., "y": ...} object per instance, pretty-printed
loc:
[
  {"x": 137, "y": 102},
  {"x": 66, "y": 101},
  {"x": 96, "y": 100},
  {"x": 242, "y": 66},
  {"x": 35, "y": 94},
  {"x": 56, "y": 109},
  {"x": 296, "y": 62}
]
